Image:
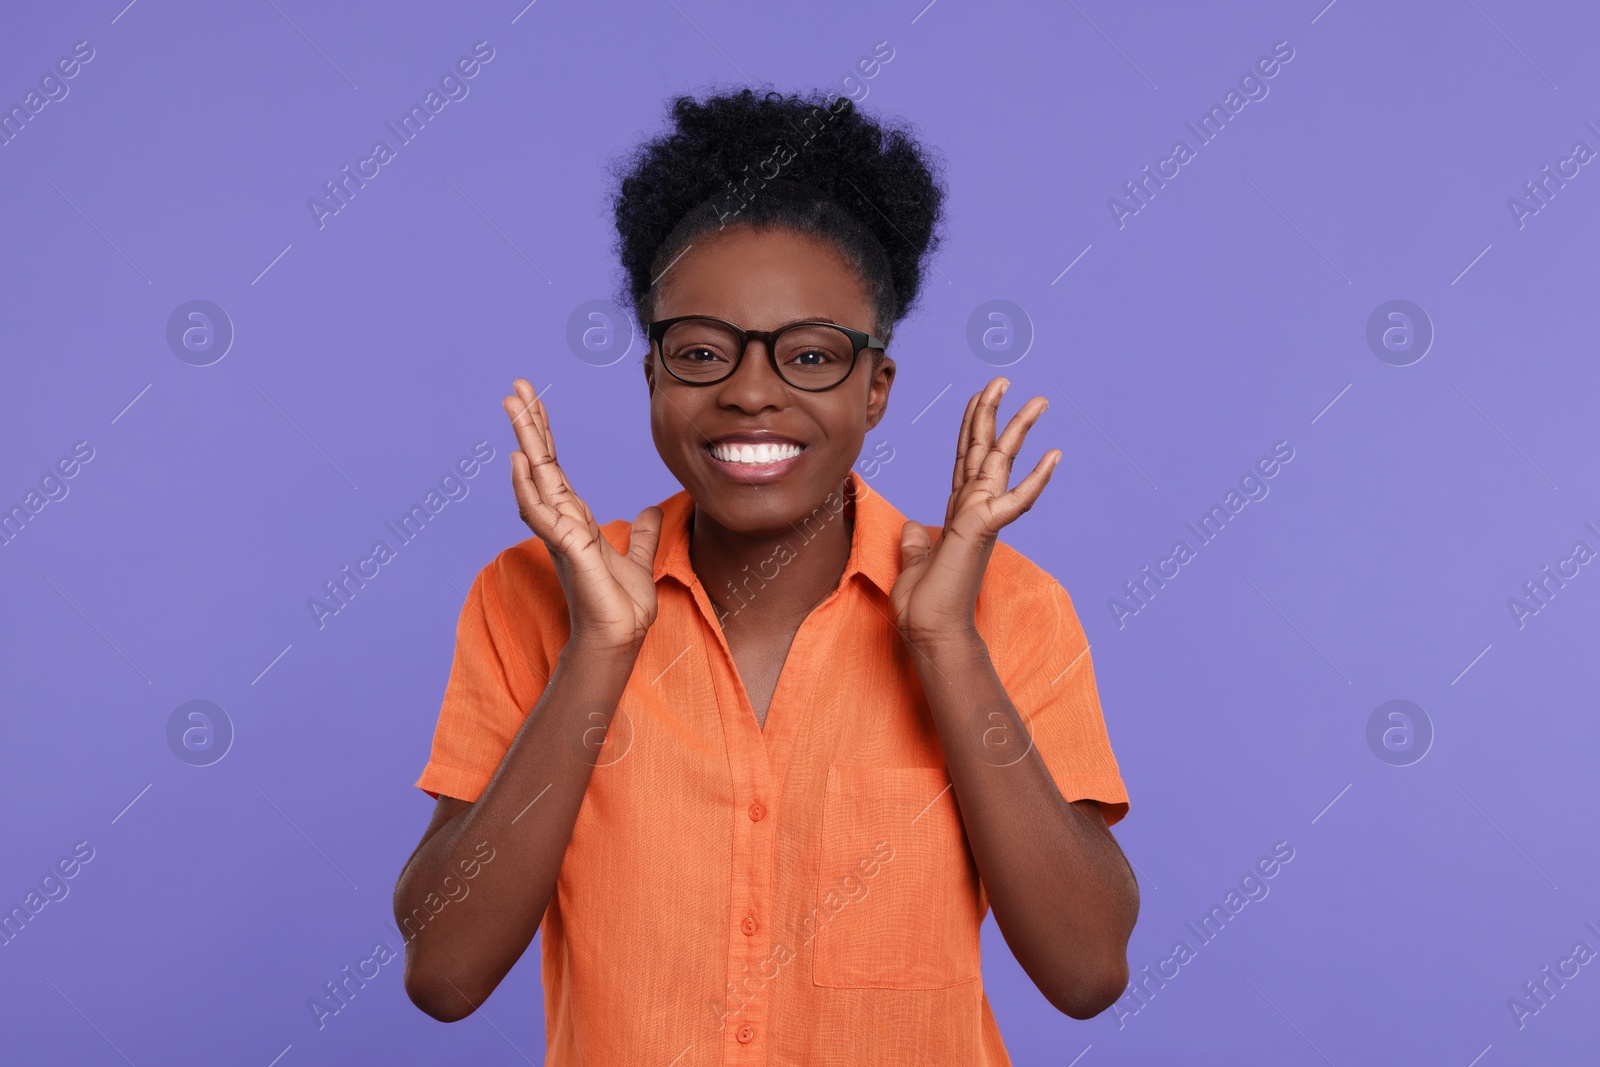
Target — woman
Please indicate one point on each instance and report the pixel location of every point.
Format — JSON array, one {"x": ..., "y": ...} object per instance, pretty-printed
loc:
[{"x": 761, "y": 760}]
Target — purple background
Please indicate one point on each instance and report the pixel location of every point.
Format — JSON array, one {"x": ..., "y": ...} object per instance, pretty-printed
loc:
[{"x": 1228, "y": 314}]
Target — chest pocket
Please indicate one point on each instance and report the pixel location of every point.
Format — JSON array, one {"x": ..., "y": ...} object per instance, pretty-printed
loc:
[{"x": 897, "y": 901}]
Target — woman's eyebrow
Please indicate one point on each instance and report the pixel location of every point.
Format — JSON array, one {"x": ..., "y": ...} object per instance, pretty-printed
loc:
[
  {"x": 781, "y": 325},
  {"x": 814, "y": 318}
]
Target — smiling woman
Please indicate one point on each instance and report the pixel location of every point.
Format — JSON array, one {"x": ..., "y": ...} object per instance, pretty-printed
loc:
[{"x": 896, "y": 692}]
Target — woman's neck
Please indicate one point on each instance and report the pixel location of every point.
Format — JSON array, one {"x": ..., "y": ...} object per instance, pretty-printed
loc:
[{"x": 773, "y": 581}]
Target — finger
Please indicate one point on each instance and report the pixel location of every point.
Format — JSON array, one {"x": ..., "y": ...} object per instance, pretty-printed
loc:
[
  {"x": 542, "y": 420},
  {"x": 537, "y": 413},
  {"x": 998, "y": 463},
  {"x": 521, "y": 406},
  {"x": 1008, "y": 507},
  {"x": 645, "y": 537},
  {"x": 533, "y": 435},
  {"x": 983, "y": 420},
  {"x": 530, "y": 445},
  {"x": 541, "y": 517},
  {"x": 915, "y": 545},
  {"x": 559, "y": 489},
  {"x": 529, "y": 441},
  {"x": 959, "y": 477},
  {"x": 588, "y": 516}
]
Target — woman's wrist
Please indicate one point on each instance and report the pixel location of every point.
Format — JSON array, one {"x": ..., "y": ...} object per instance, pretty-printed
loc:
[
  {"x": 946, "y": 640},
  {"x": 592, "y": 655}
]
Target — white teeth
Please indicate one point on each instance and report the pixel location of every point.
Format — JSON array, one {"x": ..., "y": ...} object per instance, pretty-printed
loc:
[{"x": 732, "y": 453}]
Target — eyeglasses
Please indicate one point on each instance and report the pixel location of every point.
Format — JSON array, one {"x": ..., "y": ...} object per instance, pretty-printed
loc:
[{"x": 809, "y": 355}]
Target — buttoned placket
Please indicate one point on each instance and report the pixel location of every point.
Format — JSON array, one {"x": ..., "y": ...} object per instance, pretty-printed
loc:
[
  {"x": 758, "y": 762},
  {"x": 759, "y": 950}
]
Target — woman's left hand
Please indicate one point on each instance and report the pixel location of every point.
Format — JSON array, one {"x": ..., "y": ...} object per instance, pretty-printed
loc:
[{"x": 936, "y": 595}]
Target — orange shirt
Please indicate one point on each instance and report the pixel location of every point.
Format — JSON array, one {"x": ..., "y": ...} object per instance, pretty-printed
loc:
[{"x": 798, "y": 894}]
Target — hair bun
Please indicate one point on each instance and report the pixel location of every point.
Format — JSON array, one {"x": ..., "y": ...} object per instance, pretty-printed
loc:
[{"x": 775, "y": 159}]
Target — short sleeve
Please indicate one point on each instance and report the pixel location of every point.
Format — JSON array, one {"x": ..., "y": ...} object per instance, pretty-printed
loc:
[
  {"x": 1043, "y": 661},
  {"x": 498, "y": 671}
]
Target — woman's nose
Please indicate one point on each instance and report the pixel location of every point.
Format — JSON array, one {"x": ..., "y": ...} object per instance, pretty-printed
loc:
[{"x": 754, "y": 380}]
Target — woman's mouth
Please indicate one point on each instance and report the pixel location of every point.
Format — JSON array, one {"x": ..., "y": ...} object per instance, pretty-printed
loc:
[
  {"x": 754, "y": 454},
  {"x": 749, "y": 462}
]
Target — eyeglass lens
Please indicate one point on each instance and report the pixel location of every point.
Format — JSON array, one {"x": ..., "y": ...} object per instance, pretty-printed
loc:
[{"x": 809, "y": 357}]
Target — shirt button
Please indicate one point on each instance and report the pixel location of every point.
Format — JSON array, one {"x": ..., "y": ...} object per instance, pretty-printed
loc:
[
  {"x": 749, "y": 925},
  {"x": 758, "y": 811},
  {"x": 745, "y": 1034}
]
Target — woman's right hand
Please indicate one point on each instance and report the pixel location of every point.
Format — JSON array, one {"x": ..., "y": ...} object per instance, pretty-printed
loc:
[{"x": 611, "y": 596}]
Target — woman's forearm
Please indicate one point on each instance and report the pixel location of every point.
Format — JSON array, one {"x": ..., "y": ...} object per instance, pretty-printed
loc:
[
  {"x": 457, "y": 954},
  {"x": 1062, "y": 892}
]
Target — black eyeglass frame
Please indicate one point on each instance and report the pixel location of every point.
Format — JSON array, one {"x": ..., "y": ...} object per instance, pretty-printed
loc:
[{"x": 858, "y": 338}]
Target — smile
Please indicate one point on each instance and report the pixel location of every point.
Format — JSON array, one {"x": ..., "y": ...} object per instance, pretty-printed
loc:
[{"x": 755, "y": 455}]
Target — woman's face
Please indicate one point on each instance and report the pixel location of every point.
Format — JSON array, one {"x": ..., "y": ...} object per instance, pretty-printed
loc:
[{"x": 759, "y": 280}]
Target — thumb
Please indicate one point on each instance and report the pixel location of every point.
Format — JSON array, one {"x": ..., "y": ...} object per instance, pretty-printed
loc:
[
  {"x": 646, "y": 535},
  {"x": 914, "y": 545}
]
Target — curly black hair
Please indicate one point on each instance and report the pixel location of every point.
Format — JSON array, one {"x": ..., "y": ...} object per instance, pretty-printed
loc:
[{"x": 822, "y": 168}]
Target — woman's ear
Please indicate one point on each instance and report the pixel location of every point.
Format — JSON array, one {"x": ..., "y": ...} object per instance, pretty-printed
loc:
[{"x": 878, "y": 391}]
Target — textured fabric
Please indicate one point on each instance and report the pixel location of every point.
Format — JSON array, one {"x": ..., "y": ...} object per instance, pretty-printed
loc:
[{"x": 802, "y": 894}]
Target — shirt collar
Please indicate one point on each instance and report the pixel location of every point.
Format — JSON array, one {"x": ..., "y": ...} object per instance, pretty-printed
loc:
[{"x": 874, "y": 547}]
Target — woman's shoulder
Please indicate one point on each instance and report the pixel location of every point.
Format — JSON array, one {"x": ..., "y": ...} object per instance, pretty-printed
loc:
[
  {"x": 1015, "y": 583},
  {"x": 1009, "y": 571},
  {"x": 1016, "y": 591},
  {"x": 1026, "y": 613},
  {"x": 518, "y": 583}
]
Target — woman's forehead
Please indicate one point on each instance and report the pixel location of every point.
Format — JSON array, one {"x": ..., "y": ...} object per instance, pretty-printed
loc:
[{"x": 773, "y": 275}]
